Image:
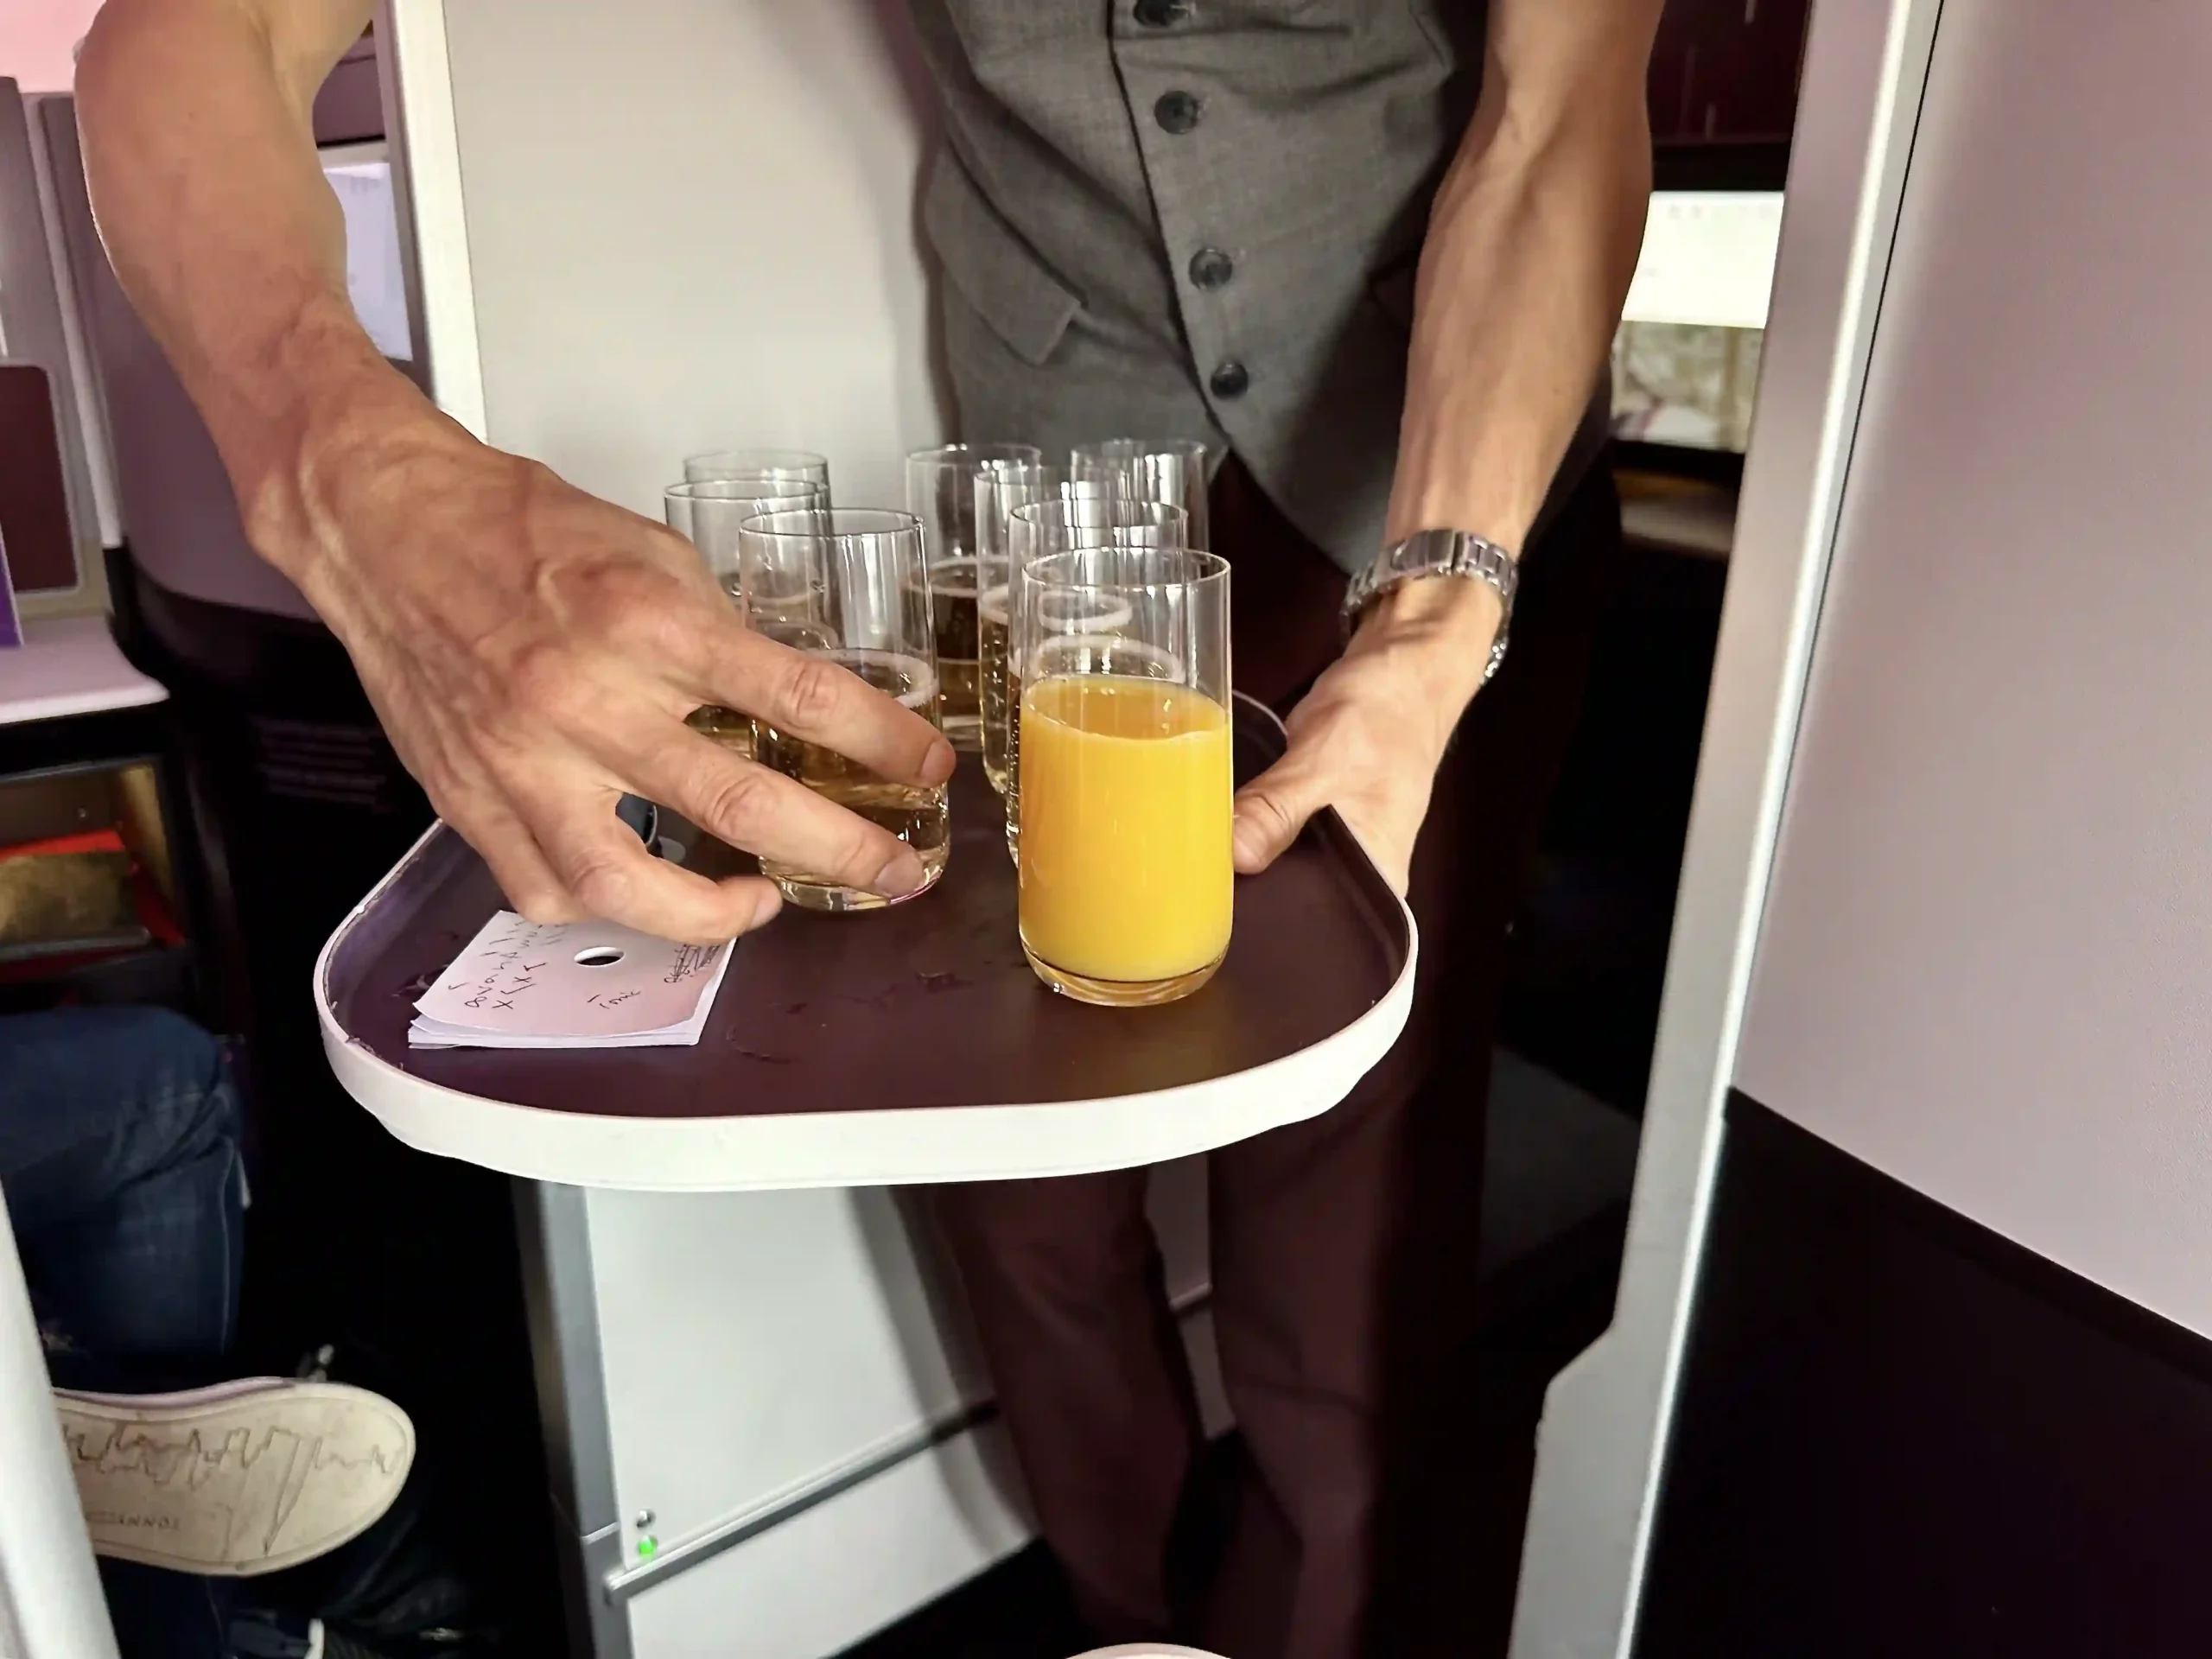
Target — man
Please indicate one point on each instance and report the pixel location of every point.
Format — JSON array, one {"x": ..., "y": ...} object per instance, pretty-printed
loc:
[{"x": 1155, "y": 217}]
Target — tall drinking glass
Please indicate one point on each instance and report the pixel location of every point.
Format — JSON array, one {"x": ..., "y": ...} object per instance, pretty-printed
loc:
[
  {"x": 1073, "y": 522},
  {"x": 801, "y": 468},
  {"x": 1001, "y": 489},
  {"x": 707, "y": 515},
  {"x": 1172, "y": 470},
  {"x": 856, "y": 594},
  {"x": 1127, "y": 886},
  {"x": 941, "y": 491}
]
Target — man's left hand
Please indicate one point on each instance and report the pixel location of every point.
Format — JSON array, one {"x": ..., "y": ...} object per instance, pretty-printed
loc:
[{"x": 1367, "y": 737}]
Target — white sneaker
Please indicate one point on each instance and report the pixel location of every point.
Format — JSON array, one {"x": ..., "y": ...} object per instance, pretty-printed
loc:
[{"x": 242, "y": 1479}]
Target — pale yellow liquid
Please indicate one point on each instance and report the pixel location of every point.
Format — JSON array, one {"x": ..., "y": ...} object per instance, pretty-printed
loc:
[
  {"x": 1001, "y": 701},
  {"x": 952, "y": 612},
  {"x": 726, "y": 727},
  {"x": 919, "y": 815},
  {"x": 1000, "y": 730},
  {"x": 1127, "y": 887}
]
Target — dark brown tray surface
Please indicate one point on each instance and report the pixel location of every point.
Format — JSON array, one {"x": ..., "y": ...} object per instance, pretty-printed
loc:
[{"x": 926, "y": 1004}]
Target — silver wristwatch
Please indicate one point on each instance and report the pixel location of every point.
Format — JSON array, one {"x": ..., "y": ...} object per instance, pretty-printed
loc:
[{"x": 1440, "y": 553}]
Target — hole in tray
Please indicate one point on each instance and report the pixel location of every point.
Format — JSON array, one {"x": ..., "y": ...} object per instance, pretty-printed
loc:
[{"x": 600, "y": 955}]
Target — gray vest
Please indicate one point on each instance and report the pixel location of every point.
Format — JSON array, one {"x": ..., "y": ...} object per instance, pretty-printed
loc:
[{"x": 1197, "y": 219}]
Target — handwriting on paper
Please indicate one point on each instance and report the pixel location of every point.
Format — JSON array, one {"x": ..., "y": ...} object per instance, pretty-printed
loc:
[
  {"x": 563, "y": 984},
  {"x": 507, "y": 966}
]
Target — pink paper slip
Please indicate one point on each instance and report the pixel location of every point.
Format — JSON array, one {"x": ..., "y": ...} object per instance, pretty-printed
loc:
[{"x": 523, "y": 984}]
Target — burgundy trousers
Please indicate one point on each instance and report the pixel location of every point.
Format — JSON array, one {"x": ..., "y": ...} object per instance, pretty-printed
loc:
[{"x": 1344, "y": 1248}]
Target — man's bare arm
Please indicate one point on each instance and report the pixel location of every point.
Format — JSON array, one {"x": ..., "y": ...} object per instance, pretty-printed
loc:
[
  {"x": 1532, "y": 243},
  {"x": 199, "y": 141},
  {"x": 532, "y": 652}
]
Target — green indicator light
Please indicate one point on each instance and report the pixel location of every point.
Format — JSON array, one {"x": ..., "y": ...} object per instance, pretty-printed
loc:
[{"x": 646, "y": 1546}]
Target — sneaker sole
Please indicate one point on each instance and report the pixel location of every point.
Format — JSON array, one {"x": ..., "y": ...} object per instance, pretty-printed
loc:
[{"x": 236, "y": 1481}]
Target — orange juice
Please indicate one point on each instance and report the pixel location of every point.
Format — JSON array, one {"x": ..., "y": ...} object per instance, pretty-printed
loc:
[{"x": 1126, "y": 879}]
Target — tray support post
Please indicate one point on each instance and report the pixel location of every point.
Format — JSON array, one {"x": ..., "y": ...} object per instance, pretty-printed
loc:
[{"x": 562, "y": 1299}]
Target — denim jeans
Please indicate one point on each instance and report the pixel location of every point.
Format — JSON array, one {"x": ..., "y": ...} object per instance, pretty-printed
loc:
[{"x": 119, "y": 1157}]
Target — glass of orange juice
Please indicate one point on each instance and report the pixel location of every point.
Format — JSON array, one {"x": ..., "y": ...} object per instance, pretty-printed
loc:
[
  {"x": 1125, "y": 875},
  {"x": 1075, "y": 515}
]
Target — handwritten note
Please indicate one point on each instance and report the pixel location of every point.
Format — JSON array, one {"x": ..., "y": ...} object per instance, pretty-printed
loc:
[{"x": 523, "y": 984}]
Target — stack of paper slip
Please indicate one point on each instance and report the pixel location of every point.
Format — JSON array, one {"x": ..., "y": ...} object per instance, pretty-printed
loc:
[{"x": 524, "y": 984}]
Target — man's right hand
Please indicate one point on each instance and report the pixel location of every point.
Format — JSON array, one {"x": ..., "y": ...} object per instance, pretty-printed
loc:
[{"x": 533, "y": 651}]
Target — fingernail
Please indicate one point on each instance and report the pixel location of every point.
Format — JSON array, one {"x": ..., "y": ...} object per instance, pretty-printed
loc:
[
  {"x": 937, "y": 764},
  {"x": 900, "y": 876}
]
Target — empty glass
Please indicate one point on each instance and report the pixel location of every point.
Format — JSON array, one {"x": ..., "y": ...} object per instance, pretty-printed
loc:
[
  {"x": 785, "y": 467},
  {"x": 941, "y": 491},
  {"x": 1126, "y": 883},
  {"x": 1034, "y": 531},
  {"x": 1172, "y": 470},
  {"x": 708, "y": 516},
  {"x": 852, "y": 590}
]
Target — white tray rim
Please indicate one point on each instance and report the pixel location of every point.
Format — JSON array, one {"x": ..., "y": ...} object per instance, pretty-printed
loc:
[{"x": 888, "y": 1148}]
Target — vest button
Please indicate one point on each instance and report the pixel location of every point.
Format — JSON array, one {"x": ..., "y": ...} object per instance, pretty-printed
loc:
[
  {"x": 1211, "y": 268},
  {"x": 1161, "y": 14},
  {"x": 1229, "y": 379},
  {"x": 1177, "y": 112}
]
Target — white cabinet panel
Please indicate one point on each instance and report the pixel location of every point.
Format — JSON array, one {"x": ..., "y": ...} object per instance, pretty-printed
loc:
[
  {"x": 756, "y": 1342},
  {"x": 839, "y": 1572}
]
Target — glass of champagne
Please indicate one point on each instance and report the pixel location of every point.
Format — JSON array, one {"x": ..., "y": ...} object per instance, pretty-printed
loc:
[
  {"x": 1002, "y": 488},
  {"x": 1127, "y": 884},
  {"x": 1083, "y": 516},
  {"x": 941, "y": 491},
  {"x": 849, "y": 587},
  {"x": 707, "y": 515},
  {"x": 1172, "y": 470},
  {"x": 799, "y": 471}
]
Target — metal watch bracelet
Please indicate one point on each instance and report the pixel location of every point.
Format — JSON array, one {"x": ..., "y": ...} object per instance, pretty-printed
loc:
[{"x": 1440, "y": 553}]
